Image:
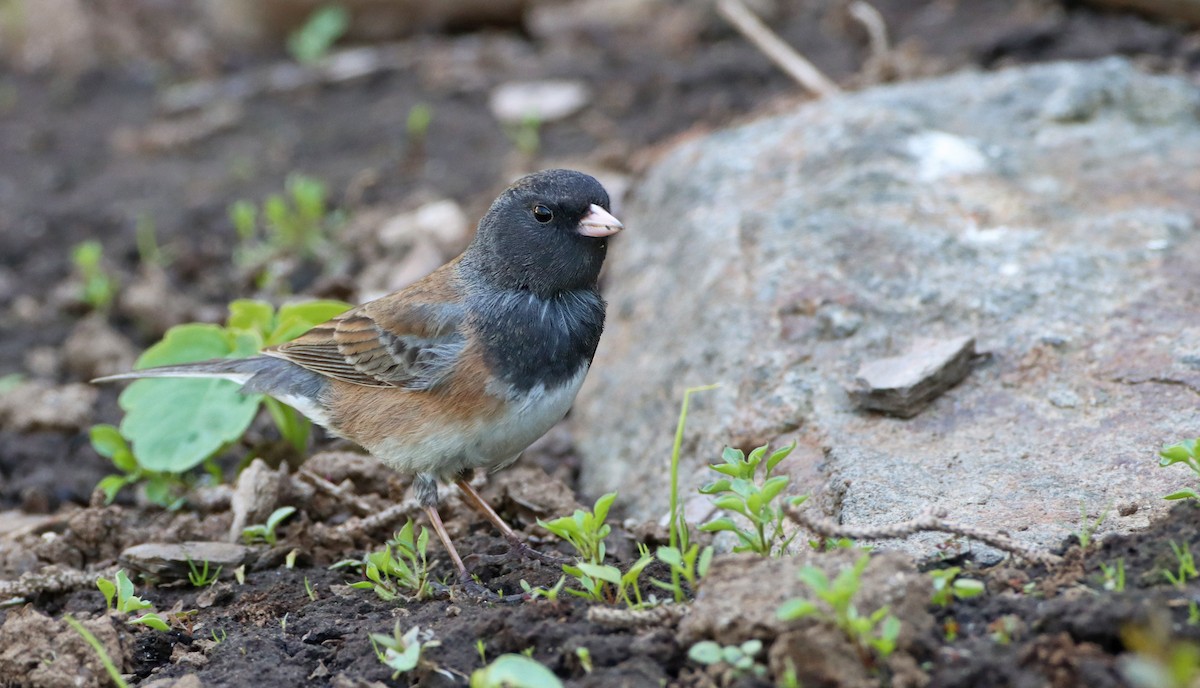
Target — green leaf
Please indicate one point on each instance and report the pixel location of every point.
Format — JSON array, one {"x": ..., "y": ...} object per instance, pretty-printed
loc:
[
  {"x": 795, "y": 609},
  {"x": 514, "y": 671},
  {"x": 176, "y": 424},
  {"x": 715, "y": 487},
  {"x": 107, "y": 440},
  {"x": 814, "y": 578},
  {"x": 602, "y": 506},
  {"x": 732, "y": 456},
  {"x": 110, "y": 485},
  {"x": 124, "y": 588},
  {"x": 718, "y": 525},
  {"x": 706, "y": 556},
  {"x": 670, "y": 556},
  {"x": 608, "y": 574},
  {"x": 706, "y": 652},
  {"x": 968, "y": 587},
  {"x": 1184, "y": 494},
  {"x": 108, "y": 589},
  {"x": 153, "y": 621},
  {"x": 251, "y": 315},
  {"x": 779, "y": 455},
  {"x": 773, "y": 487}
]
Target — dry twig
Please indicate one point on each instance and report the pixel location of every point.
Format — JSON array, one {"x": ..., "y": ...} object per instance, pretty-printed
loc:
[
  {"x": 336, "y": 491},
  {"x": 931, "y": 520},
  {"x": 662, "y": 615},
  {"x": 796, "y": 65},
  {"x": 51, "y": 580}
]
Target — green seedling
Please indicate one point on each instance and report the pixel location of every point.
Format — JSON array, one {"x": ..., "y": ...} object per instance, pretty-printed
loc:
[
  {"x": 510, "y": 671},
  {"x": 1186, "y": 453},
  {"x": 584, "y": 656},
  {"x": 401, "y": 652},
  {"x": 947, "y": 586},
  {"x": 265, "y": 532},
  {"x": 309, "y": 590},
  {"x": 824, "y": 544},
  {"x": 550, "y": 594},
  {"x": 1114, "y": 576},
  {"x": 756, "y": 502},
  {"x": 603, "y": 583},
  {"x": 740, "y": 659},
  {"x": 526, "y": 135},
  {"x": 1087, "y": 528},
  {"x": 686, "y": 560},
  {"x": 118, "y": 595},
  {"x": 1186, "y": 569},
  {"x": 99, "y": 287},
  {"x": 294, "y": 224},
  {"x": 200, "y": 577},
  {"x": 218, "y": 635},
  {"x": 1193, "y": 613},
  {"x": 401, "y": 568},
  {"x": 420, "y": 117},
  {"x": 1005, "y": 629},
  {"x": 174, "y": 424},
  {"x": 313, "y": 41},
  {"x": 159, "y": 487},
  {"x": 149, "y": 252},
  {"x": 109, "y": 667},
  {"x": 585, "y": 530},
  {"x": 873, "y": 633},
  {"x": 481, "y": 646}
]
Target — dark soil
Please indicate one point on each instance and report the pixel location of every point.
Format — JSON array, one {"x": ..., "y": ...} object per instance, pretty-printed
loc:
[{"x": 78, "y": 161}]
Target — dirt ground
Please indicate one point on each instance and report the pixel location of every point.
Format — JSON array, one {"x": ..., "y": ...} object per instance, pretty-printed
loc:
[{"x": 93, "y": 155}]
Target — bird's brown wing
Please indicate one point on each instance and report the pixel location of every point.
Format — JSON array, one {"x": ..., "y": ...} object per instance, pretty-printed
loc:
[{"x": 411, "y": 339}]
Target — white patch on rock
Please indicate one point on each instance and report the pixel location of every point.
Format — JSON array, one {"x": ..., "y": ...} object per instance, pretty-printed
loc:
[{"x": 939, "y": 154}]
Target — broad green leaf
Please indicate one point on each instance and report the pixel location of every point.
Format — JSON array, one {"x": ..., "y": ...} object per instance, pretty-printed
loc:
[
  {"x": 706, "y": 556},
  {"x": 110, "y": 485},
  {"x": 176, "y": 424},
  {"x": 514, "y": 671},
  {"x": 608, "y": 574},
  {"x": 715, "y": 487},
  {"x": 814, "y": 578},
  {"x": 968, "y": 587},
  {"x": 670, "y": 556},
  {"x": 773, "y": 487},
  {"x": 717, "y": 525},
  {"x": 705, "y": 652},
  {"x": 124, "y": 588},
  {"x": 731, "y": 455},
  {"x": 251, "y": 315}
]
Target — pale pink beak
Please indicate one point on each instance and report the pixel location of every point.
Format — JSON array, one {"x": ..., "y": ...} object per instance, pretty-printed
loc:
[{"x": 599, "y": 223}]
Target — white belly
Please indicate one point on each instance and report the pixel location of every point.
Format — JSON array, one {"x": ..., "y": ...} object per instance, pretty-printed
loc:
[{"x": 491, "y": 444}]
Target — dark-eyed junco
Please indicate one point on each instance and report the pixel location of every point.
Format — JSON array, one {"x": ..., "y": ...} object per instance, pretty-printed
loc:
[{"x": 467, "y": 367}]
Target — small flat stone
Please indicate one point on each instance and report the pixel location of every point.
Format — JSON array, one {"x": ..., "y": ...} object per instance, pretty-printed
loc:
[
  {"x": 545, "y": 101},
  {"x": 170, "y": 560},
  {"x": 903, "y": 385}
]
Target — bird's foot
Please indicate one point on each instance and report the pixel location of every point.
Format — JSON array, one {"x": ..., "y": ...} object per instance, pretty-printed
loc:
[{"x": 526, "y": 551}]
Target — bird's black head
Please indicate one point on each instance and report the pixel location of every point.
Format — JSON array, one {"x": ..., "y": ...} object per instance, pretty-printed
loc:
[{"x": 547, "y": 233}]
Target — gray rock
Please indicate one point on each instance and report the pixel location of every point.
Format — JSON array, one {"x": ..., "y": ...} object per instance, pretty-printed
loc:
[
  {"x": 170, "y": 560},
  {"x": 903, "y": 385},
  {"x": 545, "y": 101},
  {"x": 1050, "y": 200}
]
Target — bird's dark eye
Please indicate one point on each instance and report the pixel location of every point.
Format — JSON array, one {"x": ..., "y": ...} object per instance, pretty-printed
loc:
[{"x": 542, "y": 214}]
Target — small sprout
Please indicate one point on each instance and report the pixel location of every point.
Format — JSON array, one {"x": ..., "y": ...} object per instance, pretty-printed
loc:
[
  {"x": 266, "y": 531},
  {"x": 1088, "y": 528},
  {"x": 874, "y": 633},
  {"x": 316, "y": 37},
  {"x": 481, "y": 647},
  {"x": 118, "y": 595},
  {"x": 149, "y": 252},
  {"x": 99, "y": 287},
  {"x": 200, "y": 577},
  {"x": 585, "y": 530},
  {"x": 283, "y": 623},
  {"x": 526, "y": 135},
  {"x": 739, "y": 658},
  {"x": 514, "y": 670},
  {"x": 218, "y": 635},
  {"x": 1187, "y": 453},
  {"x": 947, "y": 586},
  {"x": 1005, "y": 629},
  {"x": 289, "y": 561},
  {"x": 550, "y": 594},
  {"x": 757, "y": 503},
  {"x": 689, "y": 566},
  {"x": 1187, "y": 565},
  {"x": 420, "y": 116},
  {"x": 584, "y": 656},
  {"x": 308, "y": 588},
  {"x": 401, "y": 568},
  {"x": 401, "y": 652},
  {"x": 239, "y": 574},
  {"x": 1114, "y": 576}
]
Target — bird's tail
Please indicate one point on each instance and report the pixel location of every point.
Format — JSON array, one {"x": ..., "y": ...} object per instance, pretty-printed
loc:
[{"x": 239, "y": 370}]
